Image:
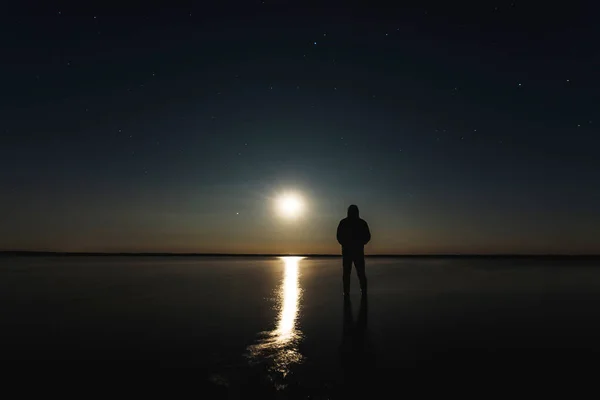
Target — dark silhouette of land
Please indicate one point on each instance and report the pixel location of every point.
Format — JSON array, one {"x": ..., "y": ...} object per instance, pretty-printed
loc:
[{"x": 308, "y": 255}]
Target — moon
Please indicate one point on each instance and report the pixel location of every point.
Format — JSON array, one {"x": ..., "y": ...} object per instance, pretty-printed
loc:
[{"x": 290, "y": 205}]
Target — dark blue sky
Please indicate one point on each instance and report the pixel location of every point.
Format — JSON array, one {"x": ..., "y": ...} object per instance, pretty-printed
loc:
[{"x": 455, "y": 128}]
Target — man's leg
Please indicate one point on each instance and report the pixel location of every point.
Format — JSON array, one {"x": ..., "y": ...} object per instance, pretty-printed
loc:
[
  {"x": 347, "y": 269},
  {"x": 359, "y": 263}
]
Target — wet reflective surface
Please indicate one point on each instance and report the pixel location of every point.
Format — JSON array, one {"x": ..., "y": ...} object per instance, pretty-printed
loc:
[
  {"x": 280, "y": 345},
  {"x": 280, "y": 328}
]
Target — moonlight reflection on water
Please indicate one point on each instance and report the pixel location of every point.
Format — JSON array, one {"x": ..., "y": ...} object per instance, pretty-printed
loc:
[{"x": 280, "y": 346}]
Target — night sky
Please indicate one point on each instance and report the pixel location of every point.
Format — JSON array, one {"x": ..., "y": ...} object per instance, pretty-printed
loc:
[{"x": 455, "y": 127}]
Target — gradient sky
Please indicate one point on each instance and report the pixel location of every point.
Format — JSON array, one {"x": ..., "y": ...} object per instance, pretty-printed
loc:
[{"x": 455, "y": 128}]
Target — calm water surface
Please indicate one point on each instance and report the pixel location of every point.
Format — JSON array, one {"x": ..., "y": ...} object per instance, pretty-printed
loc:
[{"x": 250, "y": 326}]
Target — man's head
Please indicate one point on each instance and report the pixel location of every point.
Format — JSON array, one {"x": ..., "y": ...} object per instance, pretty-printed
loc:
[{"x": 353, "y": 211}]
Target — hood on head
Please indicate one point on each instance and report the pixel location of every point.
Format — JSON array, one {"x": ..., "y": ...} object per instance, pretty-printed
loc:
[{"x": 353, "y": 211}]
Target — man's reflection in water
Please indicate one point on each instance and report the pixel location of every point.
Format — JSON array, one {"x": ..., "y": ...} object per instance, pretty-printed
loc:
[{"x": 355, "y": 350}]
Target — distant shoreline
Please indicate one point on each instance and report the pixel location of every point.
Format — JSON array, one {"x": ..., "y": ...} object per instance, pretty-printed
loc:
[{"x": 146, "y": 254}]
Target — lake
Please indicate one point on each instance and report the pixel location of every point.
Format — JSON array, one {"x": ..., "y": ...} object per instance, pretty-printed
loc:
[{"x": 280, "y": 328}]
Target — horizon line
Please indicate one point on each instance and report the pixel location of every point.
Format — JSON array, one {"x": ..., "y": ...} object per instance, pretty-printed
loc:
[{"x": 324, "y": 255}]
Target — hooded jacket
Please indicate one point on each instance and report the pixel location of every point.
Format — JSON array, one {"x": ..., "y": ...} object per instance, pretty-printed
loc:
[{"x": 353, "y": 232}]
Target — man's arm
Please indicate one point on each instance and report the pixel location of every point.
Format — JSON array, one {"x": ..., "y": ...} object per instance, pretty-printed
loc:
[
  {"x": 367, "y": 233},
  {"x": 339, "y": 234}
]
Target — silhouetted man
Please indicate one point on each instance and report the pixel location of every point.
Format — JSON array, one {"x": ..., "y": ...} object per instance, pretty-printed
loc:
[{"x": 353, "y": 233}]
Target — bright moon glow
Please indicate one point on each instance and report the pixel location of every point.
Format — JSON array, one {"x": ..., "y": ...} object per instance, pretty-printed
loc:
[{"x": 290, "y": 205}]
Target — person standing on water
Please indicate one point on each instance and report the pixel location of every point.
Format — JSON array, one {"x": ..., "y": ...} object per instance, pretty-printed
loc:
[{"x": 353, "y": 234}]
